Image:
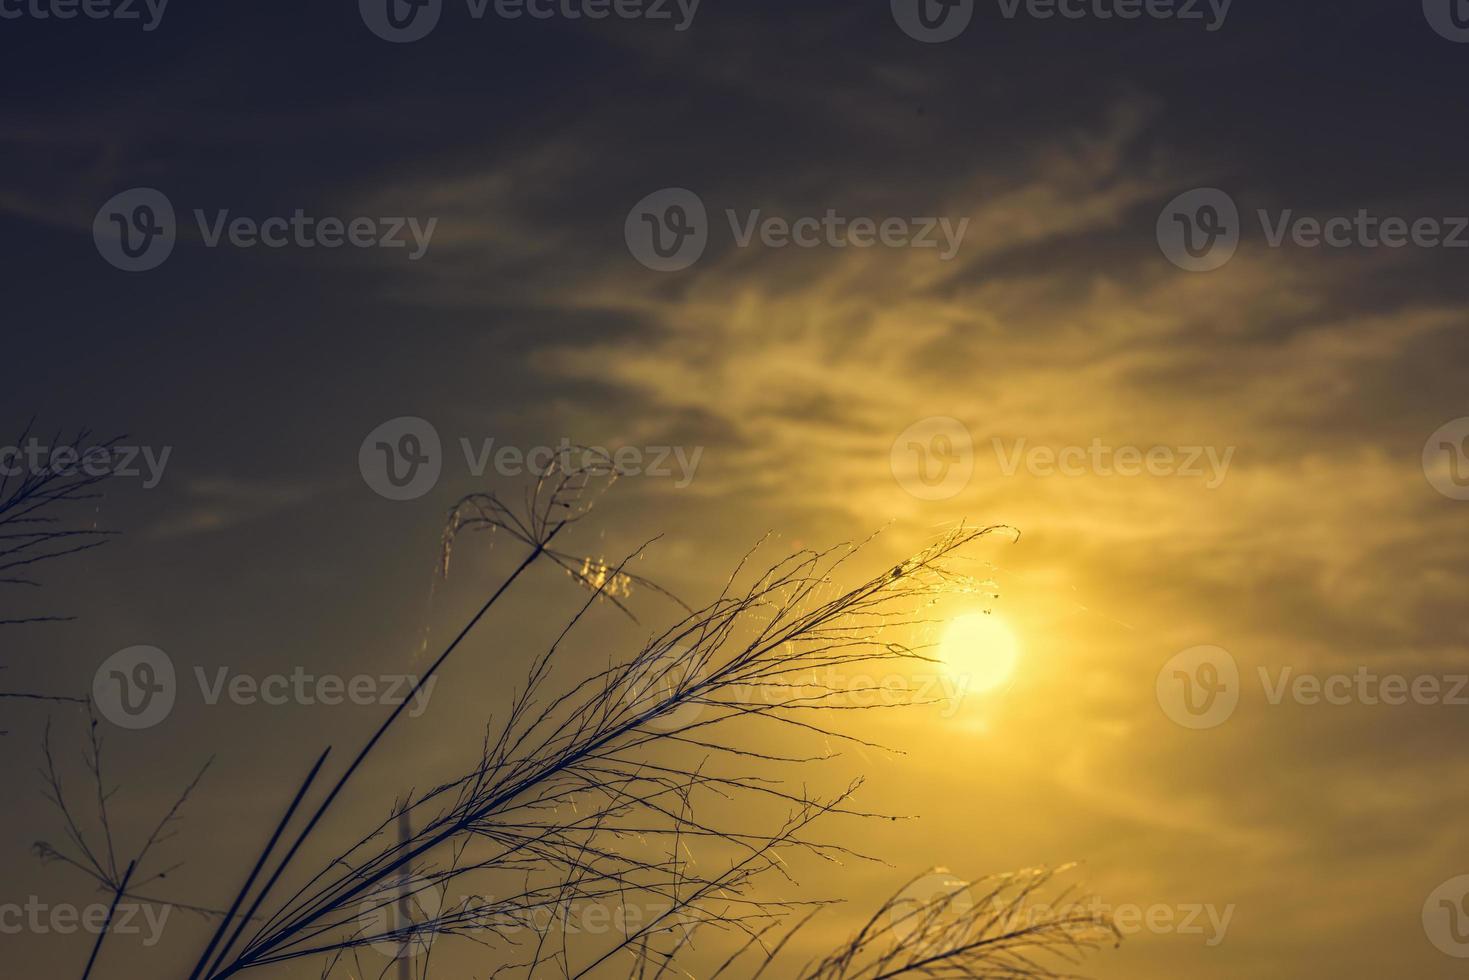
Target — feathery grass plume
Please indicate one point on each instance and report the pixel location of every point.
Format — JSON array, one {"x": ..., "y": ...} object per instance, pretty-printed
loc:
[
  {"x": 35, "y": 531},
  {"x": 600, "y": 790},
  {"x": 997, "y": 927},
  {"x": 33, "y": 528},
  {"x": 95, "y": 853}
]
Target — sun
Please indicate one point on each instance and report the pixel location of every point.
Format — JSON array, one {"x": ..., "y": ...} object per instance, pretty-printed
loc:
[{"x": 979, "y": 651}]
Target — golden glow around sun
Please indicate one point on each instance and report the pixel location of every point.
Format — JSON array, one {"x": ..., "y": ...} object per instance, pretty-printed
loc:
[{"x": 979, "y": 651}]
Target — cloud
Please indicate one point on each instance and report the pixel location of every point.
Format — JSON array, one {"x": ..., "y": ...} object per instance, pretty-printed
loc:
[{"x": 219, "y": 503}]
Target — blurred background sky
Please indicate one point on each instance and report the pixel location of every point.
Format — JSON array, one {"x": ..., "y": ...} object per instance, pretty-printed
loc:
[{"x": 793, "y": 371}]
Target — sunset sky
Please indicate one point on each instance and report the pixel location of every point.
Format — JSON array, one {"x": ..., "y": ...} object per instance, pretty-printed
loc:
[{"x": 1293, "y": 522}]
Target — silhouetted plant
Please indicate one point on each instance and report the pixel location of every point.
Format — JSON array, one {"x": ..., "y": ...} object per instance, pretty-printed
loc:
[
  {"x": 91, "y": 847},
  {"x": 37, "y": 528},
  {"x": 580, "y": 779}
]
